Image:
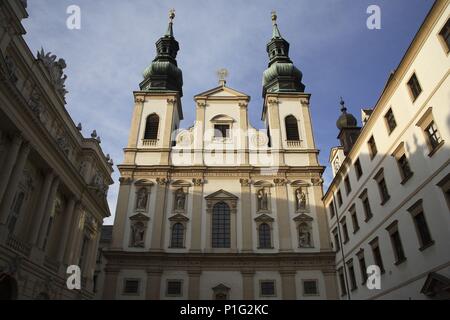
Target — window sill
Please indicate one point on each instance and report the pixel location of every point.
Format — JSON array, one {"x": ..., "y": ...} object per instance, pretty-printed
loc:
[
  {"x": 432, "y": 152},
  {"x": 426, "y": 246},
  {"x": 356, "y": 230},
  {"x": 354, "y": 289},
  {"x": 368, "y": 218},
  {"x": 385, "y": 201},
  {"x": 400, "y": 261},
  {"x": 260, "y": 248},
  {"x": 405, "y": 179}
]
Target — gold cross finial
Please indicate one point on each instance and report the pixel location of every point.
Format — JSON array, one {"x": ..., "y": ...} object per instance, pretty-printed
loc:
[
  {"x": 274, "y": 16},
  {"x": 171, "y": 14},
  {"x": 222, "y": 74}
]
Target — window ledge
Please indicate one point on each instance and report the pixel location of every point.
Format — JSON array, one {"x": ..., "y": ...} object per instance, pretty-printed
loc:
[
  {"x": 354, "y": 289},
  {"x": 368, "y": 218},
  {"x": 400, "y": 261},
  {"x": 424, "y": 247},
  {"x": 385, "y": 201},
  {"x": 356, "y": 230},
  {"x": 406, "y": 179},
  {"x": 432, "y": 152}
]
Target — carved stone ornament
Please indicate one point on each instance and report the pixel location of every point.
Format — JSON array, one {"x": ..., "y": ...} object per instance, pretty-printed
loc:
[
  {"x": 55, "y": 69},
  {"x": 162, "y": 181},
  {"x": 11, "y": 69},
  {"x": 198, "y": 181},
  {"x": 245, "y": 182},
  {"x": 280, "y": 182}
]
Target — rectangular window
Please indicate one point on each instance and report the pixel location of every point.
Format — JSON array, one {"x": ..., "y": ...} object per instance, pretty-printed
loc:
[
  {"x": 221, "y": 131},
  {"x": 174, "y": 288},
  {"x": 396, "y": 242},
  {"x": 372, "y": 147},
  {"x": 358, "y": 169},
  {"x": 382, "y": 187},
  {"x": 354, "y": 219},
  {"x": 348, "y": 187},
  {"x": 414, "y": 87},
  {"x": 421, "y": 225},
  {"x": 342, "y": 281},
  {"x": 351, "y": 273},
  {"x": 405, "y": 169},
  {"x": 445, "y": 35},
  {"x": 377, "y": 254},
  {"x": 432, "y": 133},
  {"x": 336, "y": 239},
  {"x": 444, "y": 184},
  {"x": 390, "y": 121},
  {"x": 339, "y": 198},
  {"x": 131, "y": 286},
  {"x": 310, "y": 288},
  {"x": 345, "y": 230},
  {"x": 362, "y": 266},
  {"x": 267, "y": 288},
  {"x": 332, "y": 211},
  {"x": 366, "y": 205}
]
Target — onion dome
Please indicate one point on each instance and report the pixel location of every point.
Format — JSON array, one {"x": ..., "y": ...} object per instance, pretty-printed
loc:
[{"x": 346, "y": 120}]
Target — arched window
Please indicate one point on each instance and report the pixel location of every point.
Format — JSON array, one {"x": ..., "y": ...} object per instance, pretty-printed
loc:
[
  {"x": 15, "y": 211},
  {"x": 221, "y": 226},
  {"x": 265, "y": 241},
  {"x": 177, "y": 239},
  {"x": 151, "y": 127},
  {"x": 291, "y": 128}
]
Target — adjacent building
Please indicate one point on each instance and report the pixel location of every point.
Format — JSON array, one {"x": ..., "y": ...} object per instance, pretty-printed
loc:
[
  {"x": 53, "y": 181},
  {"x": 220, "y": 210},
  {"x": 388, "y": 203}
]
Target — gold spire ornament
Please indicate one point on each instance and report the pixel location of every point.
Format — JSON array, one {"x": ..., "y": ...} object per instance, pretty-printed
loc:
[
  {"x": 171, "y": 15},
  {"x": 274, "y": 17}
]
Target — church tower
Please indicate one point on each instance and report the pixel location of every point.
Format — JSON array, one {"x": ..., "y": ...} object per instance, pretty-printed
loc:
[{"x": 220, "y": 210}]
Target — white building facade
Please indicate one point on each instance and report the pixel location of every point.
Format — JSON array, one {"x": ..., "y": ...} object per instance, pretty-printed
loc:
[
  {"x": 388, "y": 204},
  {"x": 220, "y": 210}
]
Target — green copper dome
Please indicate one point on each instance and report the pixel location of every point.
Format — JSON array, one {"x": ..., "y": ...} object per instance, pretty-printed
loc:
[
  {"x": 163, "y": 73},
  {"x": 281, "y": 75}
]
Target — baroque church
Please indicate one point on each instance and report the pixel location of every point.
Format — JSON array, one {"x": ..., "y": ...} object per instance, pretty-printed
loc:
[{"x": 220, "y": 210}]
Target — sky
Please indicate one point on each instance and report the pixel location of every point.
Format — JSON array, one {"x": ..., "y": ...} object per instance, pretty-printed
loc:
[{"x": 329, "y": 42}]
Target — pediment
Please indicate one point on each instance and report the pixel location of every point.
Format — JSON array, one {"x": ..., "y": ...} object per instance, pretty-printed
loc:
[
  {"x": 303, "y": 218},
  {"x": 264, "y": 218},
  {"x": 300, "y": 183},
  {"x": 221, "y": 195},
  {"x": 222, "y": 91},
  {"x": 221, "y": 287},
  {"x": 179, "y": 218},
  {"x": 139, "y": 217}
]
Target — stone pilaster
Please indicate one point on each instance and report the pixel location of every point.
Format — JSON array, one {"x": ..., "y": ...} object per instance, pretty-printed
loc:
[
  {"x": 14, "y": 181},
  {"x": 65, "y": 229},
  {"x": 121, "y": 213},
  {"x": 47, "y": 212},
  {"x": 196, "y": 228},
  {"x": 248, "y": 284},
  {"x": 289, "y": 291},
  {"x": 110, "y": 284},
  {"x": 322, "y": 221},
  {"x": 284, "y": 223},
  {"x": 153, "y": 290},
  {"x": 194, "y": 284},
  {"x": 159, "y": 216},
  {"x": 246, "y": 214},
  {"x": 8, "y": 165},
  {"x": 331, "y": 287}
]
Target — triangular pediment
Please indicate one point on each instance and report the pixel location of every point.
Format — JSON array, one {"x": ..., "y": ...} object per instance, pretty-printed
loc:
[
  {"x": 221, "y": 194},
  {"x": 221, "y": 287},
  {"x": 222, "y": 92},
  {"x": 303, "y": 217}
]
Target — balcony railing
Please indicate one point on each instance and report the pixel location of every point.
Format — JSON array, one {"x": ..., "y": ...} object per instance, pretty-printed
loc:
[
  {"x": 149, "y": 142},
  {"x": 294, "y": 143},
  {"x": 18, "y": 245}
]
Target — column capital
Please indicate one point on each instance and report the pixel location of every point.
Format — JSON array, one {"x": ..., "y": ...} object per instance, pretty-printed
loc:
[
  {"x": 198, "y": 181},
  {"x": 245, "y": 182},
  {"x": 280, "y": 182},
  {"x": 248, "y": 272},
  {"x": 288, "y": 272},
  {"x": 125, "y": 181},
  {"x": 154, "y": 271},
  {"x": 194, "y": 272}
]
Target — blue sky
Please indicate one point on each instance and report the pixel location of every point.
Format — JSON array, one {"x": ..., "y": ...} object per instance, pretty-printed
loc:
[{"x": 330, "y": 44}]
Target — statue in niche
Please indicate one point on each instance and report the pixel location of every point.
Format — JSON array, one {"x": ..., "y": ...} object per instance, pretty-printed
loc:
[
  {"x": 137, "y": 234},
  {"x": 301, "y": 199},
  {"x": 304, "y": 236},
  {"x": 180, "y": 200},
  {"x": 262, "y": 200},
  {"x": 141, "y": 200}
]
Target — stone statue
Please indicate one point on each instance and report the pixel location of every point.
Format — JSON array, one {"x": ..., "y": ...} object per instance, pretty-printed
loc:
[
  {"x": 304, "y": 236},
  {"x": 180, "y": 199},
  {"x": 55, "y": 69},
  {"x": 137, "y": 234},
  {"x": 301, "y": 199},
  {"x": 141, "y": 201},
  {"x": 262, "y": 200}
]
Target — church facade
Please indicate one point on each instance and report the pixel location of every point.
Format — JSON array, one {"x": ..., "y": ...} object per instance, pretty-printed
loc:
[{"x": 220, "y": 210}]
